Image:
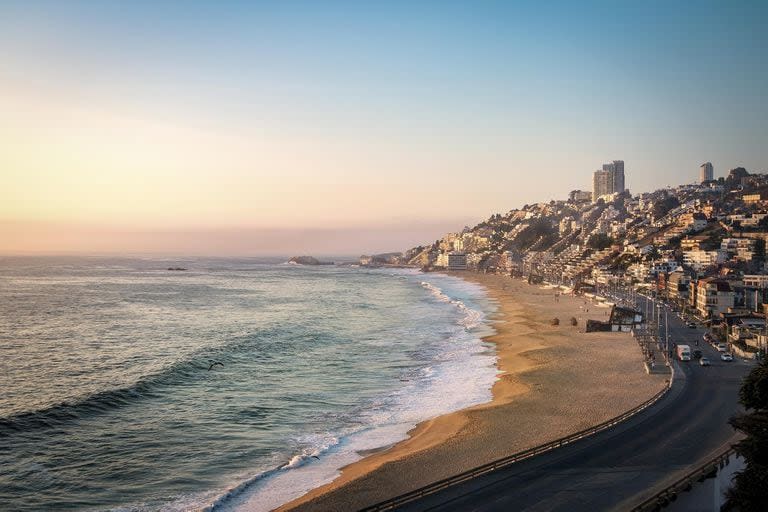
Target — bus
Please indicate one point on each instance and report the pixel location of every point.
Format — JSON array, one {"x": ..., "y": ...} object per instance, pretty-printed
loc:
[{"x": 684, "y": 352}]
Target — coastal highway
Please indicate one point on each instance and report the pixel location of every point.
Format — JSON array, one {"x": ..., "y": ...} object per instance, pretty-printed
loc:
[{"x": 616, "y": 469}]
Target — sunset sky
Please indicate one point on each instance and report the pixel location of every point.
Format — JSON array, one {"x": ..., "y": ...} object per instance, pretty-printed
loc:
[{"x": 347, "y": 127}]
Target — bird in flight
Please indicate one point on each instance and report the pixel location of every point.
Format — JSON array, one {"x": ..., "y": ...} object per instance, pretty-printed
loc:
[{"x": 214, "y": 364}]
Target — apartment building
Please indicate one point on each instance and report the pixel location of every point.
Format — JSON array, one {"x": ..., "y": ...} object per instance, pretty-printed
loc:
[{"x": 714, "y": 296}]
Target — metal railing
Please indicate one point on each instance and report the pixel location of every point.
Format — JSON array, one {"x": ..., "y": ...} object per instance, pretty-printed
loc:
[
  {"x": 432, "y": 488},
  {"x": 685, "y": 483}
]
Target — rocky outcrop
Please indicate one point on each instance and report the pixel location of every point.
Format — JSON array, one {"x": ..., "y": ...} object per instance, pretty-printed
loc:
[
  {"x": 308, "y": 260},
  {"x": 389, "y": 258}
]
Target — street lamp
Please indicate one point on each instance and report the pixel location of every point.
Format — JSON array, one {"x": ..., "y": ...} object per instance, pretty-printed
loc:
[{"x": 666, "y": 331}]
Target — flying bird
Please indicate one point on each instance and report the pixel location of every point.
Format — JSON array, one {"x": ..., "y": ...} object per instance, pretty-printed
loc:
[{"x": 214, "y": 364}]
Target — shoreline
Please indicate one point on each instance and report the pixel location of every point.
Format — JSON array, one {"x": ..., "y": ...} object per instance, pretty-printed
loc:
[{"x": 538, "y": 397}]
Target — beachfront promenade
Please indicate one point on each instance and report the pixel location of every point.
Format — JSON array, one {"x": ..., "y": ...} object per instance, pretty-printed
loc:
[{"x": 618, "y": 468}]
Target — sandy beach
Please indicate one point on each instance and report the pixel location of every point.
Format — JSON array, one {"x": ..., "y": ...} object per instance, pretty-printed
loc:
[{"x": 554, "y": 380}]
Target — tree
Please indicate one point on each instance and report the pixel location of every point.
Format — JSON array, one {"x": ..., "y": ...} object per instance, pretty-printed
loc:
[
  {"x": 599, "y": 241},
  {"x": 749, "y": 491},
  {"x": 536, "y": 229},
  {"x": 653, "y": 254},
  {"x": 497, "y": 240},
  {"x": 661, "y": 208}
]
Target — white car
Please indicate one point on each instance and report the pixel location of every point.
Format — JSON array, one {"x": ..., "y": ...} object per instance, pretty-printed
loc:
[
  {"x": 726, "y": 357},
  {"x": 721, "y": 347}
]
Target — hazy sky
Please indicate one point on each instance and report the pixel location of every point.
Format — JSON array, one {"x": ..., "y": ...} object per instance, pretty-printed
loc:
[{"x": 128, "y": 124}]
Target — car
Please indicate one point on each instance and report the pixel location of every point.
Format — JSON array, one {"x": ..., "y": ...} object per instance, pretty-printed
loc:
[
  {"x": 726, "y": 357},
  {"x": 697, "y": 354},
  {"x": 721, "y": 347},
  {"x": 691, "y": 325},
  {"x": 704, "y": 361}
]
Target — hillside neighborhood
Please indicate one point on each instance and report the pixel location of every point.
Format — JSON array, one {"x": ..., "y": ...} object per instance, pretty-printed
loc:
[{"x": 701, "y": 247}]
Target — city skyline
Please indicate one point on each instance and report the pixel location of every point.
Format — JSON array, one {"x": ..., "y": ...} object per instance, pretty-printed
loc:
[
  {"x": 201, "y": 241},
  {"x": 405, "y": 122}
]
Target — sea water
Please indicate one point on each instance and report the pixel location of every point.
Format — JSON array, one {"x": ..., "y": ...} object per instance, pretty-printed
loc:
[{"x": 231, "y": 385}]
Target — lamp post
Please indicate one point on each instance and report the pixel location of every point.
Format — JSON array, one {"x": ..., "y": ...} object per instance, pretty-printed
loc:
[
  {"x": 658, "y": 324},
  {"x": 666, "y": 333}
]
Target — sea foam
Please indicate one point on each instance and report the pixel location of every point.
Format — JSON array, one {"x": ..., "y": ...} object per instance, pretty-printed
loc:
[{"x": 460, "y": 375}]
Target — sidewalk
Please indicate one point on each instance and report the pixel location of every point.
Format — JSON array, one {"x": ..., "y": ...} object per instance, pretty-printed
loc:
[{"x": 657, "y": 368}]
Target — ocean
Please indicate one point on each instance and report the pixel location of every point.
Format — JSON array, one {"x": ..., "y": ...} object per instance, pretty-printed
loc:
[{"x": 237, "y": 384}]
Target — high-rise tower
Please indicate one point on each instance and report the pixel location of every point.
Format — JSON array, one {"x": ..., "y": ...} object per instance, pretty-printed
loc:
[
  {"x": 618, "y": 175},
  {"x": 706, "y": 172},
  {"x": 602, "y": 183},
  {"x": 608, "y": 180}
]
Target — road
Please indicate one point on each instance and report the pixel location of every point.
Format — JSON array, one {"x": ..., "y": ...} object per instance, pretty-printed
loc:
[{"x": 616, "y": 469}]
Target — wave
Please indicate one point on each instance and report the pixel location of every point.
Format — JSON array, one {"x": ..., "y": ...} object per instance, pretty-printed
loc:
[
  {"x": 383, "y": 422},
  {"x": 99, "y": 402},
  {"x": 294, "y": 462},
  {"x": 472, "y": 317},
  {"x": 193, "y": 367}
]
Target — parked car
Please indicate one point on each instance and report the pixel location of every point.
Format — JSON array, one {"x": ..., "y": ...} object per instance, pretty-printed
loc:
[
  {"x": 697, "y": 354},
  {"x": 704, "y": 361},
  {"x": 721, "y": 347},
  {"x": 691, "y": 325},
  {"x": 726, "y": 357}
]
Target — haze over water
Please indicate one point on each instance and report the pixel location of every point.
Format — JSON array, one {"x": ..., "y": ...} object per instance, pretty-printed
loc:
[{"x": 109, "y": 402}]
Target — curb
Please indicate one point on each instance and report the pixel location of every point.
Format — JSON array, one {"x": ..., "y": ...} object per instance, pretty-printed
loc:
[{"x": 490, "y": 467}]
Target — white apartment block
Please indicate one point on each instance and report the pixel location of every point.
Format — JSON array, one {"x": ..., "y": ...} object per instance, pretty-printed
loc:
[
  {"x": 743, "y": 249},
  {"x": 755, "y": 280},
  {"x": 698, "y": 260},
  {"x": 713, "y": 297}
]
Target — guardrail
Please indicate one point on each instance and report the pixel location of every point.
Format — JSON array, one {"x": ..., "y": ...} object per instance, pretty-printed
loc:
[
  {"x": 432, "y": 488},
  {"x": 684, "y": 484}
]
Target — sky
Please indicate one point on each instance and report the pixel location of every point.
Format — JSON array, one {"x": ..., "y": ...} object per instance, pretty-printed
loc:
[{"x": 354, "y": 127}]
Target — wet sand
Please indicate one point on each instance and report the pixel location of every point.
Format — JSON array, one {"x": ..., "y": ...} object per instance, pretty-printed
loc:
[{"x": 554, "y": 380}]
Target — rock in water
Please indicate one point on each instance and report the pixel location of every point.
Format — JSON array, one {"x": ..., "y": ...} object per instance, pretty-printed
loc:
[{"x": 308, "y": 260}]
